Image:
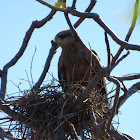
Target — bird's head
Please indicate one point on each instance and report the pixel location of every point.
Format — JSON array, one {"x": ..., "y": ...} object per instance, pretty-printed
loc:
[{"x": 64, "y": 38}]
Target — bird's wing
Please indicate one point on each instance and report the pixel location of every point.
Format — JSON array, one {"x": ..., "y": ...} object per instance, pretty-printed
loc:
[
  {"x": 61, "y": 72},
  {"x": 102, "y": 83},
  {"x": 96, "y": 54}
]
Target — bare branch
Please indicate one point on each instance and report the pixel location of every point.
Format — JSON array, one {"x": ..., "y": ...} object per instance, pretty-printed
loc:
[
  {"x": 114, "y": 80},
  {"x": 74, "y": 4},
  {"x": 45, "y": 20},
  {"x": 117, "y": 55},
  {"x": 101, "y": 72},
  {"x": 47, "y": 65},
  {"x": 101, "y": 131},
  {"x": 5, "y": 108},
  {"x": 80, "y": 41},
  {"x": 118, "y": 61},
  {"x": 79, "y": 103},
  {"x": 113, "y": 110},
  {"x": 108, "y": 50},
  {"x": 5, "y": 134},
  {"x": 73, "y": 131},
  {"x": 90, "y": 7},
  {"x": 119, "y": 136},
  {"x": 97, "y": 19},
  {"x": 129, "y": 32},
  {"x": 131, "y": 91},
  {"x": 32, "y": 66},
  {"x": 35, "y": 24},
  {"x": 0, "y": 73},
  {"x": 127, "y": 77},
  {"x": 130, "y": 137}
]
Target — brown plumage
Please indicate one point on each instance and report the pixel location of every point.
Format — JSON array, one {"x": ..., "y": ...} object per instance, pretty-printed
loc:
[{"x": 76, "y": 64}]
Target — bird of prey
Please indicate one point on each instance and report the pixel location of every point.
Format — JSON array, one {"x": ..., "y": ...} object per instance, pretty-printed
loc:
[{"x": 76, "y": 64}]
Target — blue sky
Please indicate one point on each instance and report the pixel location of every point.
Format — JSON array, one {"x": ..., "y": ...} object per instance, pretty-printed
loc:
[{"x": 16, "y": 17}]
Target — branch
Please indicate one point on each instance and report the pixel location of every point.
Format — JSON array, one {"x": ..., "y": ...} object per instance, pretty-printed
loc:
[
  {"x": 114, "y": 80},
  {"x": 74, "y": 4},
  {"x": 90, "y": 7},
  {"x": 101, "y": 131},
  {"x": 32, "y": 66},
  {"x": 0, "y": 73},
  {"x": 35, "y": 24},
  {"x": 114, "y": 108},
  {"x": 118, "y": 61},
  {"x": 84, "y": 47},
  {"x": 131, "y": 91},
  {"x": 128, "y": 136},
  {"x": 108, "y": 50},
  {"x": 5, "y": 134},
  {"x": 47, "y": 65},
  {"x": 5, "y": 108},
  {"x": 129, "y": 32},
  {"x": 127, "y": 77},
  {"x": 101, "y": 71},
  {"x": 97, "y": 19},
  {"x": 120, "y": 136},
  {"x": 92, "y": 84}
]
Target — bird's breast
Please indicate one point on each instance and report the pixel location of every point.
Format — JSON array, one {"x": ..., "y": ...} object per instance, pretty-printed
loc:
[{"x": 77, "y": 68}]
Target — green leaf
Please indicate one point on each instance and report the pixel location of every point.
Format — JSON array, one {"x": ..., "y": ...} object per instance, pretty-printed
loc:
[{"x": 60, "y": 3}]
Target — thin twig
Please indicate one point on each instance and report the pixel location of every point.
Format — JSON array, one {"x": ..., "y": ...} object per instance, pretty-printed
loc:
[
  {"x": 20, "y": 91},
  {"x": 0, "y": 73},
  {"x": 79, "y": 103},
  {"x": 127, "y": 77},
  {"x": 90, "y": 7},
  {"x": 117, "y": 55},
  {"x": 108, "y": 50},
  {"x": 77, "y": 37},
  {"x": 97, "y": 19},
  {"x": 101, "y": 131},
  {"x": 113, "y": 110},
  {"x": 4, "y": 134},
  {"x": 123, "y": 96},
  {"x": 73, "y": 131},
  {"x": 5, "y": 108},
  {"x": 28, "y": 79},
  {"x": 74, "y": 4},
  {"x": 32, "y": 65},
  {"x": 119, "y": 136},
  {"x": 131, "y": 91},
  {"x": 129, "y": 32},
  {"x": 46, "y": 68},
  {"x": 118, "y": 61},
  {"x": 92, "y": 84},
  {"x": 35, "y": 24}
]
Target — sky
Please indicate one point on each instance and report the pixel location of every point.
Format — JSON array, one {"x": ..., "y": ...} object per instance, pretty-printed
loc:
[{"x": 16, "y": 17}]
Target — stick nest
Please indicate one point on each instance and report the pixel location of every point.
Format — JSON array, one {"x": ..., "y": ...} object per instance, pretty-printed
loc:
[{"x": 50, "y": 114}]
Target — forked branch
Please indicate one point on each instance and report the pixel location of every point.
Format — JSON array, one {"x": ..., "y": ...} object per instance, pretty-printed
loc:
[
  {"x": 97, "y": 19},
  {"x": 46, "y": 68},
  {"x": 4, "y": 72},
  {"x": 129, "y": 32}
]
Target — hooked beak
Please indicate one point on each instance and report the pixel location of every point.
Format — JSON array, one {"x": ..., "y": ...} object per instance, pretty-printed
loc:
[{"x": 54, "y": 44}]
